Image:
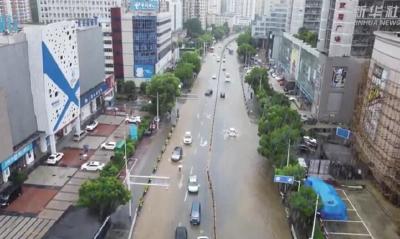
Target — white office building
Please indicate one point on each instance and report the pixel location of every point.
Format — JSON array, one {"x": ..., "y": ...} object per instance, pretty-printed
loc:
[
  {"x": 175, "y": 8},
  {"x": 59, "y": 10}
]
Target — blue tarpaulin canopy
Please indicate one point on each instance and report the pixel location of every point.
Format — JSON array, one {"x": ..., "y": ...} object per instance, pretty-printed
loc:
[{"x": 333, "y": 206}]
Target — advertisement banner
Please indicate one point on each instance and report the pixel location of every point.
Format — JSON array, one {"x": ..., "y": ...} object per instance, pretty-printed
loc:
[
  {"x": 143, "y": 5},
  {"x": 144, "y": 71}
]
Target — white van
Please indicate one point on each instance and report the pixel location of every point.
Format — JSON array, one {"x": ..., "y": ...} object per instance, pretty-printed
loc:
[{"x": 80, "y": 136}]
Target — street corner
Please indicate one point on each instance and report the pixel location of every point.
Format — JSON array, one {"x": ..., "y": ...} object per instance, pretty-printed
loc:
[
  {"x": 32, "y": 200},
  {"x": 74, "y": 157},
  {"x": 103, "y": 130}
]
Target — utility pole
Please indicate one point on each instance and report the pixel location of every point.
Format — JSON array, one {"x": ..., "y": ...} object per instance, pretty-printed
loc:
[
  {"x": 315, "y": 217},
  {"x": 127, "y": 176},
  {"x": 288, "y": 154},
  {"x": 158, "y": 116}
]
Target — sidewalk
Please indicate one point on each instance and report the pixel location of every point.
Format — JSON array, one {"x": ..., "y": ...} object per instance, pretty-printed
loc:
[{"x": 147, "y": 152}]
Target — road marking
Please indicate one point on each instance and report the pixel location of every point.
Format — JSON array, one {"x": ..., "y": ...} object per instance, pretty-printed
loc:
[
  {"x": 186, "y": 195},
  {"x": 191, "y": 170},
  {"x": 204, "y": 144},
  {"x": 180, "y": 184},
  {"x": 198, "y": 116}
]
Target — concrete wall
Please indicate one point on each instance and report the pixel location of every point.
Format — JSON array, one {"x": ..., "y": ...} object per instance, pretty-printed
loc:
[
  {"x": 91, "y": 57},
  {"x": 5, "y": 130},
  {"x": 15, "y": 80},
  {"x": 336, "y": 102}
]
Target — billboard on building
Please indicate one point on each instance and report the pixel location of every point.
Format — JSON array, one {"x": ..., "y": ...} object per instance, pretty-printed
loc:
[
  {"x": 339, "y": 76},
  {"x": 379, "y": 13},
  {"x": 294, "y": 62},
  {"x": 143, "y": 5},
  {"x": 144, "y": 71}
]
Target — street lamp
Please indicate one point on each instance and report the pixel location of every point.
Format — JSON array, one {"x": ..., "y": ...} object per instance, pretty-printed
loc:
[
  {"x": 315, "y": 217},
  {"x": 158, "y": 117}
]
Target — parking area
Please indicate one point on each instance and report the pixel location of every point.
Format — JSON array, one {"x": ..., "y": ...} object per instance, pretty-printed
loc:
[
  {"x": 366, "y": 219},
  {"x": 32, "y": 201},
  {"x": 103, "y": 130},
  {"x": 93, "y": 142},
  {"x": 73, "y": 158},
  {"x": 52, "y": 176}
]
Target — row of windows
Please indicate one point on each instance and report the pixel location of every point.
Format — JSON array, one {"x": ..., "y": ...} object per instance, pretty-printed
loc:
[{"x": 71, "y": 15}]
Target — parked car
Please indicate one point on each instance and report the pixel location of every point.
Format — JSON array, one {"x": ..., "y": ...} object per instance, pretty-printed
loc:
[
  {"x": 180, "y": 233},
  {"x": 108, "y": 145},
  {"x": 227, "y": 79},
  {"x": 310, "y": 141},
  {"x": 9, "y": 194},
  {"x": 79, "y": 136},
  {"x": 218, "y": 59},
  {"x": 92, "y": 125},
  {"x": 187, "y": 138},
  {"x": 209, "y": 92},
  {"x": 177, "y": 153},
  {"x": 214, "y": 77},
  {"x": 303, "y": 117},
  {"x": 232, "y": 132},
  {"x": 193, "y": 185},
  {"x": 54, "y": 158},
  {"x": 133, "y": 119},
  {"x": 195, "y": 213},
  {"x": 92, "y": 166},
  {"x": 223, "y": 68},
  {"x": 222, "y": 95},
  {"x": 227, "y": 75}
]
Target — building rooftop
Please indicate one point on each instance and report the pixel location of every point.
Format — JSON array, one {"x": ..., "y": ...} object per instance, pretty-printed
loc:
[{"x": 393, "y": 36}]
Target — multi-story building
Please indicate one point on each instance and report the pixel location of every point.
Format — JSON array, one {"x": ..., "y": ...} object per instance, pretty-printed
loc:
[
  {"x": 175, "y": 9},
  {"x": 245, "y": 8},
  {"x": 18, "y": 122},
  {"x": 141, "y": 43},
  {"x": 195, "y": 9},
  {"x": 59, "y": 10},
  {"x": 276, "y": 19},
  {"x": 58, "y": 68},
  {"x": 307, "y": 14},
  {"x": 214, "y": 7},
  {"x": 326, "y": 86},
  {"x": 18, "y": 9},
  {"x": 377, "y": 118}
]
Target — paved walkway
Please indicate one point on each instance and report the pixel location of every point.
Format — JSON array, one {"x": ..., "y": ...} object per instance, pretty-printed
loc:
[{"x": 17, "y": 227}]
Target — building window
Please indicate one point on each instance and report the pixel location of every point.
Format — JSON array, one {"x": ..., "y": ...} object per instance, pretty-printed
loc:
[
  {"x": 342, "y": 5},
  {"x": 341, "y": 16}
]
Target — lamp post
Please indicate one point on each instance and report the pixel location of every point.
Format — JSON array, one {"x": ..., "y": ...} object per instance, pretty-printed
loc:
[
  {"x": 127, "y": 175},
  {"x": 158, "y": 116}
]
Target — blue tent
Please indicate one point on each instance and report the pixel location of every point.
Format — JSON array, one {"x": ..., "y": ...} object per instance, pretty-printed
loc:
[{"x": 333, "y": 206}]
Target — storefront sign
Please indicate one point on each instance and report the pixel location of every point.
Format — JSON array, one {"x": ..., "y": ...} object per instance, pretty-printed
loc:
[
  {"x": 93, "y": 93},
  {"x": 143, "y": 5},
  {"x": 378, "y": 15},
  {"x": 144, "y": 71},
  {"x": 13, "y": 158}
]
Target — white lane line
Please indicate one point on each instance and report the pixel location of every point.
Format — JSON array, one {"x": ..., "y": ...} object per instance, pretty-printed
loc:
[
  {"x": 186, "y": 195},
  {"x": 191, "y": 170},
  {"x": 180, "y": 183},
  {"x": 198, "y": 116}
]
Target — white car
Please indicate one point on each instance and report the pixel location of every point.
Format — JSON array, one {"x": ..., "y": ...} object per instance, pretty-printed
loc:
[
  {"x": 92, "y": 166},
  {"x": 214, "y": 77},
  {"x": 218, "y": 59},
  {"x": 54, "y": 158},
  {"x": 310, "y": 141},
  {"x": 232, "y": 132},
  {"x": 274, "y": 75},
  {"x": 223, "y": 60},
  {"x": 92, "y": 125},
  {"x": 303, "y": 117},
  {"x": 187, "y": 139},
  {"x": 193, "y": 186},
  {"x": 202, "y": 237},
  {"x": 133, "y": 119},
  {"x": 227, "y": 79},
  {"x": 227, "y": 75},
  {"x": 108, "y": 145}
]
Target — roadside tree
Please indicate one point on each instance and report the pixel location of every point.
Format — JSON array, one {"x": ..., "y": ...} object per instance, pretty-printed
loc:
[
  {"x": 184, "y": 71},
  {"x": 167, "y": 87},
  {"x": 245, "y": 51},
  {"x": 192, "y": 58},
  {"x": 103, "y": 195}
]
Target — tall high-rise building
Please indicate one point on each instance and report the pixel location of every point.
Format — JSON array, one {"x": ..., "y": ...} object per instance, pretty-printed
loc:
[
  {"x": 245, "y": 8},
  {"x": 377, "y": 129},
  {"x": 195, "y": 9},
  {"x": 214, "y": 7},
  {"x": 17, "y": 9},
  {"x": 175, "y": 8}
]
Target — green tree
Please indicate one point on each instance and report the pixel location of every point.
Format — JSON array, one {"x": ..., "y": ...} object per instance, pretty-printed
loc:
[
  {"x": 167, "y": 86},
  {"x": 205, "y": 38},
  {"x": 257, "y": 76},
  {"x": 103, "y": 195},
  {"x": 307, "y": 36},
  {"x": 193, "y": 27},
  {"x": 244, "y": 38},
  {"x": 246, "y": 51},
  {"x": 294, "y": 170},
  {"x": 274, "y": 145},
  {"x": 302, "y": 205},
  {"x": 130, "y": 89},
  {"x": 278, "y": 116},
  {"x": 184, "y": 71},
  {"x": 110, "y": 170},
  {"x": 226, "y": 28},
  {"x": 142, "y": 87},
  {"x": 192, "y": 58},
  {"x": 218, "y": 33}
]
